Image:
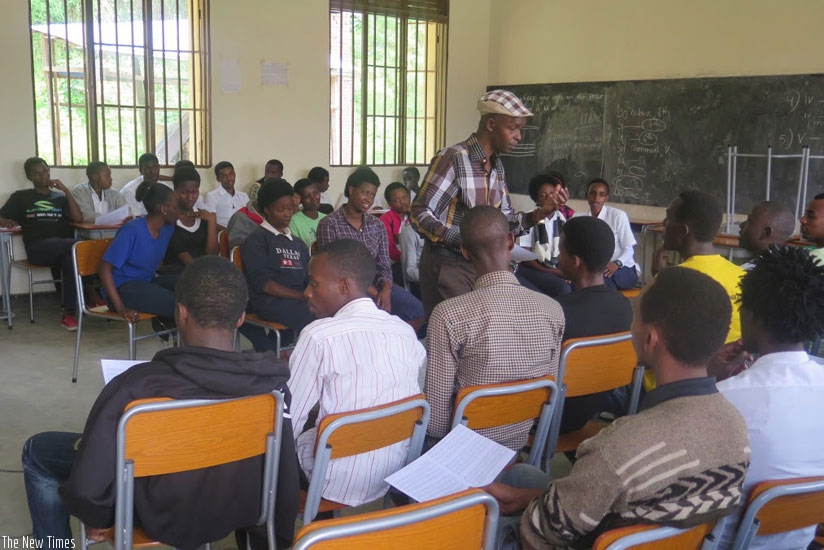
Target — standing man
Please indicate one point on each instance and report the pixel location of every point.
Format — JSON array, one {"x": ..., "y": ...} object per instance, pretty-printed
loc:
[
  {"x": 464, "y": 175},
  {"x": 498, "y": 332}
]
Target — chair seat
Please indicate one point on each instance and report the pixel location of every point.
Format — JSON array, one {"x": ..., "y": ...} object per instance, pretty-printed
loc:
[
  {"x": 631, "y": 292},
  {"x": 253, "y": 319},
  {"x": 570, "y": 441},
  {"x": 325, "y": 505},
  {"x": 104, "y": 311},
  {"x": 25, "y": 264},
  {"x": 139, "y": 538}
]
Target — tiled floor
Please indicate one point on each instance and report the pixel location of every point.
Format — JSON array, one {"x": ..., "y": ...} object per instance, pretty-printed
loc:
[{"x": 36, "y": 392}]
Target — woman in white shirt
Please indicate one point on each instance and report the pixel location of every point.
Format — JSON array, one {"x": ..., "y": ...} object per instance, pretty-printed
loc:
[{"x": 621, "y": 271}]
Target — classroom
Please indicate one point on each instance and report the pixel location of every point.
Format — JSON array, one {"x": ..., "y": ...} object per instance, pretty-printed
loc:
[{"x": 490, "y": 42}]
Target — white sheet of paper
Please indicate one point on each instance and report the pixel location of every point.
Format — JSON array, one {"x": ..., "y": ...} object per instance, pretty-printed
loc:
[
  {"x": 274, "y": 74},
  {"x": 113, "y": 367},
  {"x": 114, "y": 217},
  {"x": 521, "y": 254},
  {"x": 461, "y": 460}
]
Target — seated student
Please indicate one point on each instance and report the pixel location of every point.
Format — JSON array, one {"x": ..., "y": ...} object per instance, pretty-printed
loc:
[
  {"x": 768, "y": 223},
  {"x": 245, "y": 220},
  {"x": 498, "y": 332},
  {"x": 593, "y": 309},
  {"x": 195, "y": 233},
  {"x": 411, "y": 245},
  {"x": 65, "y": 473},
  {"x": 620, "y": 272},
  {"x": 96, "y": 197},
  {"x": 355, "y": 356},
  {"x": 353, "y": 221},
  {"x": 225, "y": 200},
  {"x": 129, "y": 266},
  {"x": 320, "y": 177},
  {"x": 779, "y": 395},
  {"x": 693, "y": 218},
  {"x": 397, "y": 197},
  {"x": 543, "y": 239},
  {"x": 149, "y": 168},
  {"x": 680, "y": 461},
  {"x": 44, "y": 213},
  {"x": 276, "y": 262},
  {"x": 272, "y": 170},
  {"x": 812, "y": 226},
  {"x": 304, "y": 224},
  {"x": 411, "y": 176}
]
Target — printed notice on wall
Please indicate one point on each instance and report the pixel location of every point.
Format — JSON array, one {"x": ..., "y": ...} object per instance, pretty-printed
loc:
[
  {"x": 274, "y": 74},
  {"x": 229, "y": 76}
]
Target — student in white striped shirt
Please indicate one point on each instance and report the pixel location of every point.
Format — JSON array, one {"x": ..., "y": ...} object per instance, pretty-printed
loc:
[{"x": 353, "y": 357}]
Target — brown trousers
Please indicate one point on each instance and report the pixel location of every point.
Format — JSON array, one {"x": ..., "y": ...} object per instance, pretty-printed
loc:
[{"x": 443, "y": 277}]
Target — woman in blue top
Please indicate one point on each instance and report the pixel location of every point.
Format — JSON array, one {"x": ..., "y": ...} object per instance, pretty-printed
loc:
[{"x": 128, "y": 268}]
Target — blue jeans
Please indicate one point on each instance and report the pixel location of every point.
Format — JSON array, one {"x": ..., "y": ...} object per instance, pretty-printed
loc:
[
  {"x": 47, "y": 460},
  {"x": 623, "y": 278},
  {"x": 547, "y": 283},
  {"x": 405, "y": 305},
  {"x": 520, "y": 476},
  {"x": 57, "y": 253},
  {"x": 157, "y": 296}
]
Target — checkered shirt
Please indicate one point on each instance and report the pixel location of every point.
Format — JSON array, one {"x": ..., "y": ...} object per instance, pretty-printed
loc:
[{"x": 372, "y": 233}]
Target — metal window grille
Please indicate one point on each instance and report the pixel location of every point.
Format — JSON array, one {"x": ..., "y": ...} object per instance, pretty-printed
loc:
[
  {"x": 388, "y": 81},
  {"x": 116, "y": 78}
]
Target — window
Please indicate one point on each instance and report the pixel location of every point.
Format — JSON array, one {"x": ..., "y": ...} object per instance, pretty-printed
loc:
[
  {"x": 114, "y": 79},
  {"x": 388, "y": 81}
]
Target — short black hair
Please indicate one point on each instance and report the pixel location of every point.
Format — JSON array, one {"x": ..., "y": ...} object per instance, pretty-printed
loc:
[
  {"x": 185, "y": 173},
  {"x": 153, "y": 195},
  {"x": 184, "y": 163},
  {"x": 274, "y": 162},
  {"x": 539, "y": 180},
  {"x": 362, "y": 174},
  {"x": 317, "y": 174},
  {"x": 351, "y": 259},
  {"x": 602, "y": 181},
  {"x": 272, "y": 190},
  {"x": 214, "y": 291},
  {"x": 483, "y": 226},
  {"x": 221, "y": 165},
  {"x": 302, "y": 184},
  {"x": 31, "y": 162},
  {"x": 692, "y": 310},
  {"x": 94, "y": 168},
  {"x": 701, "y": 212},
  {"x": 819, "y": 197},
  {"x": 145, "y": 159},
  {"x": 591, "y": 239},
  {"x": 785, "y": 292},
  {"x": 391, "y": 187},
  {"x": 412, "y": 170}
]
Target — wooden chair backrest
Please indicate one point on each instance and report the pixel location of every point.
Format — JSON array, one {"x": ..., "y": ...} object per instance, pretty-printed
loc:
[
  {"x": 236, "y": 258},
  {"x": 88, "y": 254},
  {"x": 502, "y": 410},
  {"x": 787, "y": 513},
  {"x": 177, "y": 440},
  {"x": 688, "y": 540},
  {"x": 598, "y": 368},
  {"x": 223, "y": 243},
  {"x": 457, "y": 530},
  {"x": 362, "y": 437}
]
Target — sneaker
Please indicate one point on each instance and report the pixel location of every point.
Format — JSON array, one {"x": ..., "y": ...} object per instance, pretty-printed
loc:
[{"x": 69, "y": 322}]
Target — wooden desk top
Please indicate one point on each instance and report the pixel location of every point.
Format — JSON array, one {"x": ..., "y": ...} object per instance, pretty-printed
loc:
[
  {"x": 16, "y": 230},
  {"x": 93, "y": 227}
]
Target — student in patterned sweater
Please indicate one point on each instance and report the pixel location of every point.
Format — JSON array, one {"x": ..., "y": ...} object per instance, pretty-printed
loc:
[{"x": 680, "y": 461}]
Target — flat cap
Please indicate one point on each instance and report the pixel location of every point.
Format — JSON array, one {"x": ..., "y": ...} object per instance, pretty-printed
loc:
[{"x": 502, "y": 102}]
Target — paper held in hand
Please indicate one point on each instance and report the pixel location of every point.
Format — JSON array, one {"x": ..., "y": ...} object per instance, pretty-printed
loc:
[
  {"x": 461, "y": 460},
  {"x": 113, "y": 367}
]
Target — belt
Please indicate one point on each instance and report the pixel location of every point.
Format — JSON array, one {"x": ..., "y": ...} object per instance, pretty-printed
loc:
[{"x": 445, "y": 252}]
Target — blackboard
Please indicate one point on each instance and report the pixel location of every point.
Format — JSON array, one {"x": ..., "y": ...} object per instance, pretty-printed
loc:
[{"x": 652, "y": 139}]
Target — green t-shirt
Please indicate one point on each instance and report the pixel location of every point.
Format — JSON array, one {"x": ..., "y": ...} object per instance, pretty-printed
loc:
[{"x": 305, "y": 228}]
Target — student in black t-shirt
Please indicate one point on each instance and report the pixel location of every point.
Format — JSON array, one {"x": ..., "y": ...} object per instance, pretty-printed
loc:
[
  {"x": 276, "y": 262},
  {"x": 45, "y": 214},
  {"x": 196, "y": 230},
  {"x": 593, "y": 309}
]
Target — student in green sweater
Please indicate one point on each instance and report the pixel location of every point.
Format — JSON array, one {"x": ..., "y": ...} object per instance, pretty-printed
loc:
[
  {"x": 304, "y": 224},
  {"x": 680, "y": 461}
]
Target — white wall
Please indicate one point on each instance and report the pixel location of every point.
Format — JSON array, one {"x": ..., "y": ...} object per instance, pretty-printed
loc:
[{"x": 289, "y": 123}]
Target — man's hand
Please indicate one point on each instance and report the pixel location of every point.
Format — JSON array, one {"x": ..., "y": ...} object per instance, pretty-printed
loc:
[
  {"x": 384, "y": 297},
  {"x": 659, "y": 260},
  {"x": 731, "y": 359},
  {"x": 57, "y": 184},
  {"x": 95, "y": 534},
  {"x": 510, "y": 499},
  {"x": 208, "y": 217},
  {"x": 610, "y": 269},
  {"x": 129, "y": 314}
]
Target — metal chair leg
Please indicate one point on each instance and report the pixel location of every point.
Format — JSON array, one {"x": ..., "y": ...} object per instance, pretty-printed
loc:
[
  {"x": 77, "y": 346},
  {"x": 31, "y": 296},
  {"x": 132, "y": 343}
]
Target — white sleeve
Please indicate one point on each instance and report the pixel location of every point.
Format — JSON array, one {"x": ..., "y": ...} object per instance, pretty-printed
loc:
[
  {"x": 410, "y": 252},
  {"x": 209, "y": 203},
  {"x": 626, "y": 240},
  {"x": 305, "y": 381}
]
